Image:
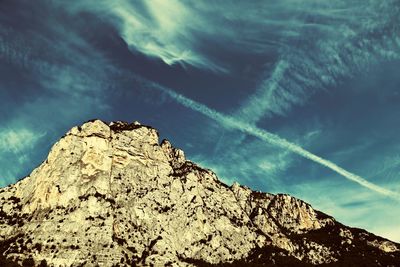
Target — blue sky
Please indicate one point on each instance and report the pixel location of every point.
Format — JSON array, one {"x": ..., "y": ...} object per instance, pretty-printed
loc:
[{"x": 300, "y": 97}]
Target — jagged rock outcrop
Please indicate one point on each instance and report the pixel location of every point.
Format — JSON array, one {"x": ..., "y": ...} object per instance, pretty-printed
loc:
[{"x": 111, "y": 195}]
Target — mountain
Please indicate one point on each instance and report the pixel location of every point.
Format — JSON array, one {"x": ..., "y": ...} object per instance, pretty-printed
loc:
[{"x": 112, "y": 195}]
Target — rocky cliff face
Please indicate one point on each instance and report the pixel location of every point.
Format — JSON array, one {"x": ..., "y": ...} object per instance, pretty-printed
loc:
[{"x": 111, "y": 195}]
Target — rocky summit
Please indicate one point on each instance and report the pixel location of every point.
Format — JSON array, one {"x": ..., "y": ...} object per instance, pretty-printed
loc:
[{"x": 112, "y": 195}]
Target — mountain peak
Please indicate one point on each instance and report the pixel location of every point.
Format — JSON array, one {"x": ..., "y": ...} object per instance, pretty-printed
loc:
[
  {"x": 85, "y": 158},
  {"x": 110, "y": 194}
]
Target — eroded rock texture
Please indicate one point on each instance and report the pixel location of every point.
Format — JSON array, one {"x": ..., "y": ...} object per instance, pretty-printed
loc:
[{"x": 111, "y": 195}]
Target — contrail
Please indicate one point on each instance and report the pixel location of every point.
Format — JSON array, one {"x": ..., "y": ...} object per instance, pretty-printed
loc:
[
  {"x": 346, "y": 46},
  {"x": 273, "y": 139},
  {"x": 259, "y": 104}
]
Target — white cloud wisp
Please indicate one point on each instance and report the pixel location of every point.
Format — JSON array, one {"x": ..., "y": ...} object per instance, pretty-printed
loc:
[
  {"x": 329, "y": 43},
  {"x": 233, "y": 123},
  {"x": 16, "y": 140}
]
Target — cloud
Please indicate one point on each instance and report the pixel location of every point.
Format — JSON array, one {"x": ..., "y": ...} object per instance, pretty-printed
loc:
[
  {"x": 26, "y": 137},
  {"x": 52, "y": 78},
  {"x": 270, "y": 96},
  {"x": 306, "y": 46},
  {"x": 329, "y": 43},
  {"x": 16, "y": 140},
  {"x": 273, "y": 139},
  {"x": 385, "y": 167},
  {"x": 158, "y": 29},
  {"x": 167, "y": 34},
  {"x": 64, "y": 65},
  {"x": 251, "y": 161},
  {"x": 63, "y": 68},
  {"x": 15, "y": 145},
  {"x": 11, "y": 50},
  {"x": 240, "y": 157}
]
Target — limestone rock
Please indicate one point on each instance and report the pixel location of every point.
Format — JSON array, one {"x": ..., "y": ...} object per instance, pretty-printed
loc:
[{"x": 111, "y": 195}]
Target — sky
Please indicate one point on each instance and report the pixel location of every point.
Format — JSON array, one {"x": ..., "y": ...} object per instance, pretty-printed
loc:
[{"x": 292, "y": 96}]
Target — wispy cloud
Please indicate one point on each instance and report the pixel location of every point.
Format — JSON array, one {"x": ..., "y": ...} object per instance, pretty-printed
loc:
[
  {"x": 328, "y": 43},
  {"x": 16, "y": 140},
  {"x": 158, "y": 29},
  {"x": 270, "y": 96},
  {"x": 250, "y": 162},
  {"x": 54, "y": 78},
  {"x": 307, "y": 45},
  {"x": 389, "y": 168},
  {"x": 273, "y": 139},
  {"x": 58, "y": 71},
  {"x": 15, "y": 144}
]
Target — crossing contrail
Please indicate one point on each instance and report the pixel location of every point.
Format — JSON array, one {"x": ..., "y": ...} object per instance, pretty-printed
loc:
[{"x": 250, "y": 129}]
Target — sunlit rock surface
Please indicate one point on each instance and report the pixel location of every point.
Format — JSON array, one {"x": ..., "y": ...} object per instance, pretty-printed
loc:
[{"x": 112, "y": 195}]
